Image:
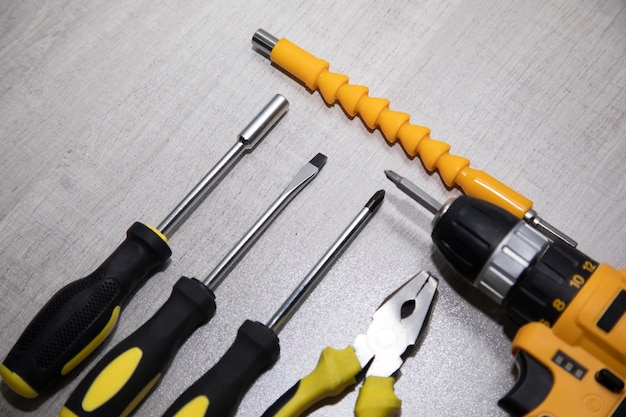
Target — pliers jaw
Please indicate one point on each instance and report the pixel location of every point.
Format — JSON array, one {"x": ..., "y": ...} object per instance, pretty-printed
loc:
[{"x": 396, "y": 325}]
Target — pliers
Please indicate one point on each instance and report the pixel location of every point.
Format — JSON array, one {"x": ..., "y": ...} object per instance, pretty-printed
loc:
[{"x": 395, "y": 326}]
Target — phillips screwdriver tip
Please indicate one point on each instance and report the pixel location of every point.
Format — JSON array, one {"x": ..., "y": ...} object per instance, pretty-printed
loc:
[
  {"x": 319, "y": 160},
  {"x": 376, "y": 200}
]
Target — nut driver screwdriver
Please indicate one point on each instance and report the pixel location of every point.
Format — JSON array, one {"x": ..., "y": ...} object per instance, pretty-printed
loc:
[
  {"x": 79, "y": 317},
  {"x": 219, "y": 391},
  {"x": 128, "y": 372}
]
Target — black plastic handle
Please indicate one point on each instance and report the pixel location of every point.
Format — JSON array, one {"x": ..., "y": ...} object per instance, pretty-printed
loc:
[
  {"x": 77, "y": 319},
  {"x": 532, "y": 387},
  {"x": 126, "y": 374},
  {"x": 219, "y": 392}
]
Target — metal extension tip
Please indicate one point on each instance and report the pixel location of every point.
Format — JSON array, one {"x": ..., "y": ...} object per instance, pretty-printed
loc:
[
  {"x": 246, "y": 141},
  {"x": 414, "y": 192},
  {"x": 264, "y": 42},
  {"x": 309, "y": 282},
  {"x": 302, "y": 178},
  {"x": 434, "y": 207},
  {"x": 264, "y": 122},
  {"x": 547, "y": 229}
]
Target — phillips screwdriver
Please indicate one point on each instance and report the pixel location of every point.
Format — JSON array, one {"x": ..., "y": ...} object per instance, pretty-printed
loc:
[
  {"x": 128, "y": 372},
  {"x": 78, "y": 317},
  {"x": 256, "y": 348},
  {"x": 570, "y": 346},
  {"x": 395, "y": 126}
]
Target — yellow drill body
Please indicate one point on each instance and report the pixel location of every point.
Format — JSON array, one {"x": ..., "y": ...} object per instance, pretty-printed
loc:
[{"x": 583, "y": 349}]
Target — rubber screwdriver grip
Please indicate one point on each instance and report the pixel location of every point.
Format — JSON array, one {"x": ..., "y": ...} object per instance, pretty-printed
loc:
[
  {"x": 127, "y": 373},
  {"x": 219, "y": 392},
  {"x": 75, "y": 321}
]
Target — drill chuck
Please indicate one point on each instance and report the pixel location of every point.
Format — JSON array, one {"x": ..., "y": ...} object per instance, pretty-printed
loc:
[
  {"x": 487, "y": 245},
  {"x": 508, "y": 260}
]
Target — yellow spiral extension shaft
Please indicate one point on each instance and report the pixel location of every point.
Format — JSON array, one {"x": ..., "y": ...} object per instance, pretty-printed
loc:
[{"x": 394, "y": 125}]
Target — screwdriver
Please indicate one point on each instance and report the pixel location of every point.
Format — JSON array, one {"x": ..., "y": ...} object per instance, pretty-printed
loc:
[
  {"x": 128, "y": 372},
  {"x": 570, "y": 346},
  {"x": 78, "y": 317},
  {"x": 395, "y": 126},
  {"x": 219, "y": 391}
]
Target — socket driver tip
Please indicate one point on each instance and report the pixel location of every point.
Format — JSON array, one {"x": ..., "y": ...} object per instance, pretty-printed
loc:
[{"x": 264, "y": 121}]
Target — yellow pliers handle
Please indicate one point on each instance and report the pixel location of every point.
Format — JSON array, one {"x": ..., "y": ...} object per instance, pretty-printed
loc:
[
  {"x": 335, "y": 371},
  {"x": 377, "y": 398}
]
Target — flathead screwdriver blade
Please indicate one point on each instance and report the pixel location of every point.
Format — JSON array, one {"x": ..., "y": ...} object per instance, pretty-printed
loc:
[
  {"x": 315, "y": 275},
  {"x": 82, "y": 314},
  {"x": 413, "y": 191},
  {"x": 302, "y": 178},
  {"x": 246, "y": 141}
]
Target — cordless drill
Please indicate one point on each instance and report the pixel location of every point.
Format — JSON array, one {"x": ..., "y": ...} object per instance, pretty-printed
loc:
[{"x": 570, "y": 350}]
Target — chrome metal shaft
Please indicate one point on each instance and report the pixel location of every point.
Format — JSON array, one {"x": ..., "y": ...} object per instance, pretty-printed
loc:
[
  {"x": 246, "y": 141},
  {"x": 302, "y": 178},
  {"x": 264, "y": 42},
  {"x": 315, "y": 275}
]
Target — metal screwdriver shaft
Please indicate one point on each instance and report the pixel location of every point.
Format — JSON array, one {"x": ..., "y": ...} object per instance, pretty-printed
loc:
[
  {"x": 246, "y": 141},
  {"x": 218, "y": 392},
  {"x": 82, "y": 314},
  {"x": 302, "y": 178},
  {"x": 191, "y": 304},
  {"x": 310, "y": 281}
]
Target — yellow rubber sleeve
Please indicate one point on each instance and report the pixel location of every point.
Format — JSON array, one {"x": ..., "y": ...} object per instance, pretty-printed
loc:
[
  {"x": 16, "y": 383},
  {"x": 104, "y": 333},
  {"x": 377, "y": 399},
  {"x": 157, "y": 232},
  {"x": 375, "y": 113},
  {"x": 112, "y": 379},
  {"x": 335, "y": 371},
  {"x": 195, "y": 408},
  {"x": 66, "y": 412}
]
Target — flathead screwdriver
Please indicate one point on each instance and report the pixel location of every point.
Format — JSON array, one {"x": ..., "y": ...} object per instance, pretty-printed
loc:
[
  {"x": 78, "y": 317},
  {"x": 256, "y": 347},
  {"x": 129, "y": 371}
]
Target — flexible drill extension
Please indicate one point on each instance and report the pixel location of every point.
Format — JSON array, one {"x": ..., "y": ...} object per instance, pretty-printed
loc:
[{"x": 394, "y": 125}]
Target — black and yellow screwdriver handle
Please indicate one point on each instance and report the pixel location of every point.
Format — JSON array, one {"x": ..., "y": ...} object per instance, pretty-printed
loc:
[
  {"x": 218, "y": 392},
  {"x": 76, "y": 320},
  {"x": 126, "y": 374}
]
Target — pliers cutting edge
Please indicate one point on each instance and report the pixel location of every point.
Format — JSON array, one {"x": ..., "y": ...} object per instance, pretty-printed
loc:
[{"x": 395, "y": 327}]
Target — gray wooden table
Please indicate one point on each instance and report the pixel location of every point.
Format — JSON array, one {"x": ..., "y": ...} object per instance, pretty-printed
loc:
[{"x": 111, "y": 111}]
